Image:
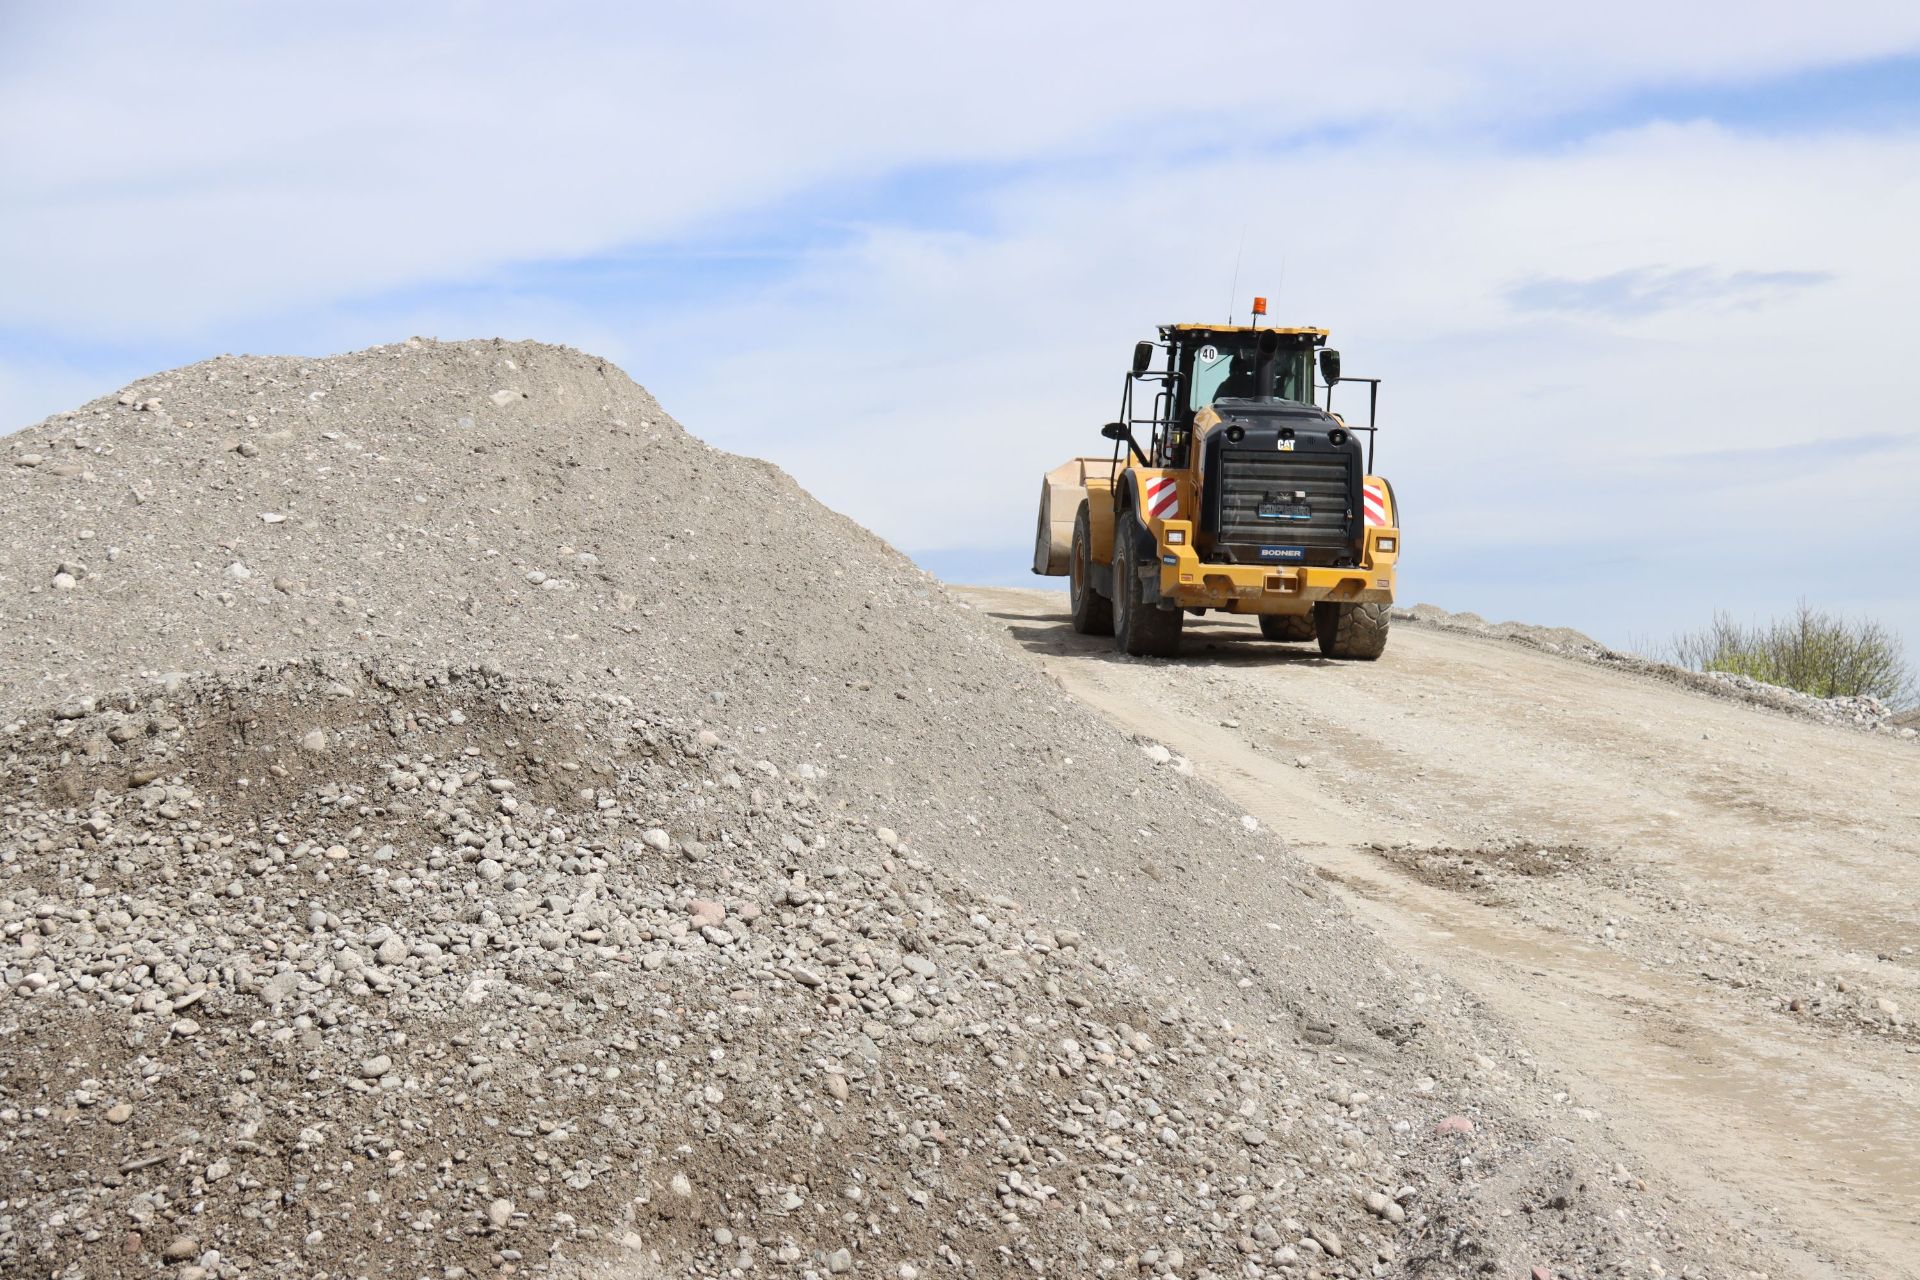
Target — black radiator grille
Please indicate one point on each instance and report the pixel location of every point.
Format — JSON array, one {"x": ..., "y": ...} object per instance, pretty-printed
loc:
[{"x": 1264, "y": 495}]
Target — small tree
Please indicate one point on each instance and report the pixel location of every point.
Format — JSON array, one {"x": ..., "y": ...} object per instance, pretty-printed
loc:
[{"x": 1812, "y": 651}]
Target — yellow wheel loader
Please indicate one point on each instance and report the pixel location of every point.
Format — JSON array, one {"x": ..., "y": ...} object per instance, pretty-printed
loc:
[{"x": 1247, "y": 496}]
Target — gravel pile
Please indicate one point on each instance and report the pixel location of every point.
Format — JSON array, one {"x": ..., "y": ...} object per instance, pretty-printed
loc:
[
  {"x": 575, "y": 850},
  {"x": 338, "y": 971},
  {"x": 1553, "y": 639},
  {"x": 1859, "y": 711}
]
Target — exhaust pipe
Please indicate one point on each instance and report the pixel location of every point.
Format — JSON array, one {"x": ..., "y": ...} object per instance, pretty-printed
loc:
[{"x": 1265, "y": 362}]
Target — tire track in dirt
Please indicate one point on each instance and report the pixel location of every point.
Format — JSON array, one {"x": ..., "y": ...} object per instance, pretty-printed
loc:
[{"x": 1732, "y": 838}]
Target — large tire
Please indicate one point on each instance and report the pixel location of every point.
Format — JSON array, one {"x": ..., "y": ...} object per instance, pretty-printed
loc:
[
  {"x": 1351, "y": 631},
  {"x": 1092, "y": 612},
  {"x": 1141, "y": 629},
  {"x": 1296, "y": 627}
]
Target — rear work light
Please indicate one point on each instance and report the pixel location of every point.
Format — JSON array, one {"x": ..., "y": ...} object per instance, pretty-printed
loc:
[{"x": 1387, "y": 544}]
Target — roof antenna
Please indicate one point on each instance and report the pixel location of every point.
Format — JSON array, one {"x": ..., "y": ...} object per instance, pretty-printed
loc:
[{"x": 1234, "y": 292}]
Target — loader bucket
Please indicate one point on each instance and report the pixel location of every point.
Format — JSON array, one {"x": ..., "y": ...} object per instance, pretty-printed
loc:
[{"x": 1061, "y": 494}]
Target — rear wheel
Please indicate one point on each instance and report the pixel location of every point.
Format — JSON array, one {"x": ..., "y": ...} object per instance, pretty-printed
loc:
[
  {"x": 1142, "y": 629},
  {"x": 1351, "y": 631},
  {"x": 1092, "y": 612},
  {"x": 1287, "y": 626}
]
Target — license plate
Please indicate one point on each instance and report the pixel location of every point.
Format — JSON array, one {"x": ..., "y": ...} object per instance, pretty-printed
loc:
[{"x": 1273, "y": 510}]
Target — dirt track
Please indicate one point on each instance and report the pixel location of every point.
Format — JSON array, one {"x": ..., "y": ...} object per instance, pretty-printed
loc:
[{"x": 1702, "y": 915}]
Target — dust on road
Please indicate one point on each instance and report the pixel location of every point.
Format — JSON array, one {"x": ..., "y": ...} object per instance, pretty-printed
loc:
[{"x": 1701, "y": 914}]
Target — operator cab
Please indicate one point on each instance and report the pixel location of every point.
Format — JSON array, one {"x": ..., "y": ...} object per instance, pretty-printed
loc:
[{"x": 1207, "y": 364}]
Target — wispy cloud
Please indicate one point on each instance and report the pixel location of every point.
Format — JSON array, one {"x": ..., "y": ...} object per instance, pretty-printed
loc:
[
  {"x": 1641, "y": 291},
  {"x": 1818, "y": 451}
]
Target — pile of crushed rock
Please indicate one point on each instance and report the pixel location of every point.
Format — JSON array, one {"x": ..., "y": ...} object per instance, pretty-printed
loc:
[
  {"x": 1563, "y": 640},
  {"x": 454, "y": 823},
  {"x": 1858, "y": 711}
]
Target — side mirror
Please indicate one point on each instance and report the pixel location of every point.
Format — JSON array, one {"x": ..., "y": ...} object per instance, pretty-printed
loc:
[
  {"x": 1329, "y": 365},
  {"x": 1142, "y": 357},
  {"x": 1115, "y": 431}
]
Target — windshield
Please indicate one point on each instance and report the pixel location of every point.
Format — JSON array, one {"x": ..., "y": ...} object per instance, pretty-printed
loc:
[{"x": 1223, "y": 372}]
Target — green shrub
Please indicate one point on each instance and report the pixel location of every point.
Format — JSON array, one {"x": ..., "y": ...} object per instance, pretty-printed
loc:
[{"x": 1812, "y": 651}]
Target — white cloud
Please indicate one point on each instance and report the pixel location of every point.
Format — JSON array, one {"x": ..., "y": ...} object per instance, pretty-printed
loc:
[{"x": 169, "y": 169}]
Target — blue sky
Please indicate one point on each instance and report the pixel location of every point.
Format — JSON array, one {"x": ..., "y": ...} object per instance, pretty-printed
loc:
[{"x": 1639, "y": 281}]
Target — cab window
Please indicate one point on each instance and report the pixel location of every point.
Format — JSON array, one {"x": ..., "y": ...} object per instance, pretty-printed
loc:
[{"x": 1213, "y": 375}]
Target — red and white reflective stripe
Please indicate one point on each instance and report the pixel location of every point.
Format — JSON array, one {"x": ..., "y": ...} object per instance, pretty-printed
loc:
[
  {"x": 1163, "y": 498},
  {"x": 1376, "y": 503}
]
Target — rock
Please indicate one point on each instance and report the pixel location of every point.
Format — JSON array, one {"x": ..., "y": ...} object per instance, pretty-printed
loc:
[
  {"x": 677, "y": 1199},
  {"x": 1382, "y": 1205},
  {"x": 1327, "y": 1239},
  {"x": 1157, "y": 753},
  {"x": 655, "y": 838},
  {"x": 64, "y": 582},
  {"x": 180, "y": 1249},
  {"x": 705, "y": 912},
  {"x": 837, "y": 1085},
  {"x": 375, "y": 1067},
  {"x": 239, "y": 572},
  {"x": 314, "y": 740},
  {"x": 500, "y": 1213},
  {"x": 120, "y": 1113},
  {"x": 1454, "y": 1124},
  {"x": 504, "y": 397},
  {"x": 840, "y": 1261},
  {"x": 391, "y": 952}
]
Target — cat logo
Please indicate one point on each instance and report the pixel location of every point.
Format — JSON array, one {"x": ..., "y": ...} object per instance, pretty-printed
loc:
[{"x": 1286, "y": 446}]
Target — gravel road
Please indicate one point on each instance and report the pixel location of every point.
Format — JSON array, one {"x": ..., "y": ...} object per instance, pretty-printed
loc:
[{"x": 1699, "y": 913}]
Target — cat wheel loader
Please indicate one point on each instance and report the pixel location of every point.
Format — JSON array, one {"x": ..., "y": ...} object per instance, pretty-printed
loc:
[{"x": 1247, "y": 496}]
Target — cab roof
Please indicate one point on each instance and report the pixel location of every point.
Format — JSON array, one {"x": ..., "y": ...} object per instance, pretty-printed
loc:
[{"x": 1251, "y": 328}]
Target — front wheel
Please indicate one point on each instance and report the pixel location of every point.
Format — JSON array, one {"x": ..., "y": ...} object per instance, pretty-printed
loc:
[
  {"x": 1140, "y": 627},
  {"x": 1092, "y": 612},
  {"x": 1351, "y": 631}
]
